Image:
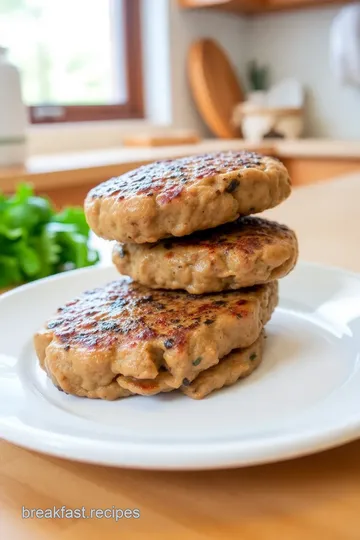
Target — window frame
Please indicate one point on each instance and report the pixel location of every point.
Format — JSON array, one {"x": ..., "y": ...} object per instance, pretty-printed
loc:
[{"x": 134, "y": 106}]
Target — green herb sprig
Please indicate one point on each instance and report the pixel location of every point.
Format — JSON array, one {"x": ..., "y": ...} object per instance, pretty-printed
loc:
[
  {"x": 36, "y": 241},
  {"x": 258, "y": 76}
]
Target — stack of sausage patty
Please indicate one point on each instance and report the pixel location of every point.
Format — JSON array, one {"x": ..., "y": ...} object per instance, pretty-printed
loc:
[{"x": 202, "y": 285}]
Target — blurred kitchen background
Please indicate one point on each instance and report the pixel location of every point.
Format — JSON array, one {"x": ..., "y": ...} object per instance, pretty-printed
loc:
[{"x": 110, "y": 84}]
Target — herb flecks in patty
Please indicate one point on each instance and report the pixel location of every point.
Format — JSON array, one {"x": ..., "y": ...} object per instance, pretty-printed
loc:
[
  {"x": 234, "y": 184},
  {"x": 169, "y": 343}
]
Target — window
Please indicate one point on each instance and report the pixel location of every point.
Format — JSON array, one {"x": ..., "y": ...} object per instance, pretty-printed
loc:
[{"x": 80, "y": 60}]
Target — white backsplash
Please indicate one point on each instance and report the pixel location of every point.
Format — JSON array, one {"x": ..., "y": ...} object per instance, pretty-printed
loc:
[{"x": 297, "y": 44}]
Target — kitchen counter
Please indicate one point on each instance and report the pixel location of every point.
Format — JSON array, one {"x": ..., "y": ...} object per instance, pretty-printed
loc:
[
  {"x": 53, "y": 172},
  {"x": 317, "y": 148},
  {"x": 313, "y": 497},
  {"x": 83, "y": 167}
]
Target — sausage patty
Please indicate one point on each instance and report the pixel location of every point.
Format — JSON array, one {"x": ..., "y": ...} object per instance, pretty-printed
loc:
[
  {"x": 247, "y": 252},
  {"x": 181, "y": 196},
  {"x": 124, "y": 329},
  {"x": 238, "y": 364}
]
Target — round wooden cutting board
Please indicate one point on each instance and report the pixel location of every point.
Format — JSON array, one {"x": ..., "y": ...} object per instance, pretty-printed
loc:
[{"x": 215, "y": 87}]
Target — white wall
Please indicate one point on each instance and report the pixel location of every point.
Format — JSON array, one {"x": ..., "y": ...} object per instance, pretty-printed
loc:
[
  {"x": 186, "y": 26},
  {"x": 297, "y": 44}
]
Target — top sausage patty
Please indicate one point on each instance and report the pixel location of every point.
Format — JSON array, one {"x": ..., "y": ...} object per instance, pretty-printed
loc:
[
  {"x": 249, "y": 251},
  {"x": 178, "y": 197}
]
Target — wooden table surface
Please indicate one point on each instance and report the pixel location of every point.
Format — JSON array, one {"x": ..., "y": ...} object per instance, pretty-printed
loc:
[{"x": 317, "y": 497}]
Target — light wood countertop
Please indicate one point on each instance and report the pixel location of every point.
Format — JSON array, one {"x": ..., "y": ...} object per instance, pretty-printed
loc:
[
  {"x": 85, "y": 168},
  {"x": 312, "y": 498}
]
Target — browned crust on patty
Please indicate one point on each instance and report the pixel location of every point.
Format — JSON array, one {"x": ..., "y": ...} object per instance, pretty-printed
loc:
[
  {"x": 247, "y": 252},
  {"x": 178, "y": 197},
  {"x": 122, "y": 329}
]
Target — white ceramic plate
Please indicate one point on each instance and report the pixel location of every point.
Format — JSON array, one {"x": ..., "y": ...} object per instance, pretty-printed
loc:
[{"x": 304, "y": 397}]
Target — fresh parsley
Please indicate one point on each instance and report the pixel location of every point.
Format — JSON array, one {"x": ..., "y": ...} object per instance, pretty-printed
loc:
[{"x": 36, "y": 241}]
